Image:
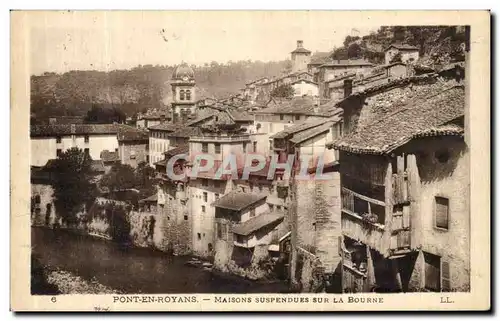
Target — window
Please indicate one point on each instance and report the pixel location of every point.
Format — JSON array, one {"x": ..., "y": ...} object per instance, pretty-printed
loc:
[
  {"x": 432, "y": 272},
  {"x": 188, "y": 94},
  {"x": 205, "y": 196},
  {"x": 217, "y": 148},
  {"x": 254, "y": 149},
  {"x": 252, "y": 212},
  {"x": 58, "y": 139},
  {"x": 441, "y": 212},
  {"x": 58, "y": 152},
  {"x": 204, "y": 147},
  {"x": 244, "y": 147},
  {"x": 86, "y": 138},
  {"x": 282, "y": 117},
  {"x": 240, "y": 239},
  {"x": 297, "y": 117},
  {"x": 181, "y": 94},
  {"x": 87, "y": 151},
  {"x": 199, "y": 236},
  {"x": 203, "y": 209},
  {"x": 204, "y": 183},
  {"x": 216, "y": 196},
  {"x": 185, "y": 217}
]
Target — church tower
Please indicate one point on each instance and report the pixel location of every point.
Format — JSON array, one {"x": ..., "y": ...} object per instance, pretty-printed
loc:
[
  {"x": 184, "y": 93},
  {"x": 300, "y": 57}
]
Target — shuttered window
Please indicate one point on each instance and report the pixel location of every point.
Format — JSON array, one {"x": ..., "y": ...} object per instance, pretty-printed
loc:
[
  {"x": 441, "y": 212},
  {"x": 432, "y": 272},
  {"x": 445, "y": 277}
]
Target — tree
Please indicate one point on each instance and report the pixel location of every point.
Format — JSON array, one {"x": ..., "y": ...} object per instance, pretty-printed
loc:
[
  {"x": 283, "y": 91},
  {"x": 73, "y": 184},
  {"x": 354, "y": 51},
  {"x": 120, "y": 177},
  {"x": 145, "y": 176},
  {"x": 105, "y": 114}
]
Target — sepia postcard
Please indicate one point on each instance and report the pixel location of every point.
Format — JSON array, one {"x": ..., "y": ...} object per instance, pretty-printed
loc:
[{"x": 250, "y": 160}]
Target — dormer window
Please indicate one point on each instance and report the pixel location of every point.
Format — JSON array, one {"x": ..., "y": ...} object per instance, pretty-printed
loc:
[
  {"x": 181, "y": 94},
  {"x": 188, "y": 94}
]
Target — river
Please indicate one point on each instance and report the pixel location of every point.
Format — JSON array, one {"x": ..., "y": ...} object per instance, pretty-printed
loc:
[{"x": 133, "y": 270}]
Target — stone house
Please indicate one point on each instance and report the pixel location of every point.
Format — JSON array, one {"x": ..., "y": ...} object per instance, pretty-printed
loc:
[
  {"x": 133, "y": 147},
  {"x": 338, "y": 68},
  {"x": 405, "y": 187},
  {"x": 409, "y": 54},
  {"x": 313, "y": 205},
  {"x": 245, "y": 225}
]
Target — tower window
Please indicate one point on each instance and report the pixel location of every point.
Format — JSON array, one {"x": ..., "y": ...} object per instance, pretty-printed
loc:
[
  {"x": 181, "y": 94},
  {"x": 188, "y": 94}
]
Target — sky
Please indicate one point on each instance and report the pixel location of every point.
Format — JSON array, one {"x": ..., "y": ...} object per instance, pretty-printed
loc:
[{"x": 86, "y": 40}]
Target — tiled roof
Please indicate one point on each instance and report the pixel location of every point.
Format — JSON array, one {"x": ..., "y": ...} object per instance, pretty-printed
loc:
[
  {"x": 73, "y": 129},
  {"x": 348, "y": 62},
  {"x": 169, "y": 127},
  {"x": 298, "y": 105},
  {"x": 107, "y": 156},
  {"x": 238, "y": 201},
  {"x": 129, "y": 133},
  {"x": 186, "y": 132},
  {"x": 402, "y": 47},
  {"x": 310, "y": 133},
  {"x": 258, "y": 222},
  {"x": 298, "y": 128},
  {"x": 301, "y": 50},
  {"x": 183, "y": 149},
  {"x": 303, "y": 80},
  {"x": 417, "y": 118},
  {"x": 68, "y": 119}
]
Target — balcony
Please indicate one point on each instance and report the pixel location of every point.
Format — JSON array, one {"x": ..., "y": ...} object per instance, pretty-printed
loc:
[{"x": 363, "y": 219}]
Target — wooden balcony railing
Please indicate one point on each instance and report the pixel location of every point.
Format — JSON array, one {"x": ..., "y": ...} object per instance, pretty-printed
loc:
[{"x": 363, "y": 219}]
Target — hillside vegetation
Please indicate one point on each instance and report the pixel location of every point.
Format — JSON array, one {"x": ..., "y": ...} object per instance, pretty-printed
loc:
[
  {"x": 437, "y": 44},
  {"x": 142, "y": 87}
]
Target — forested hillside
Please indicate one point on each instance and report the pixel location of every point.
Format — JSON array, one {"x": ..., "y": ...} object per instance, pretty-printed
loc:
[{"x": 74, "y": 92}]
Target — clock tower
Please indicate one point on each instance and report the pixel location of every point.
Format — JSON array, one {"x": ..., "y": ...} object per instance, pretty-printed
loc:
[{"x": 184, "y": 93}]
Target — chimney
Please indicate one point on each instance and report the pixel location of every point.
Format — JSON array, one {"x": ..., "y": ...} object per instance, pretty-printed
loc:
[
  {"x": 300, "y": 44},
  {"x": 347, "y": 87}
]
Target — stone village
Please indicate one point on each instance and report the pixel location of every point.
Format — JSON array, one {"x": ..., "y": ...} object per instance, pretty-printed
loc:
[{"x": 392, "y": 217}]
